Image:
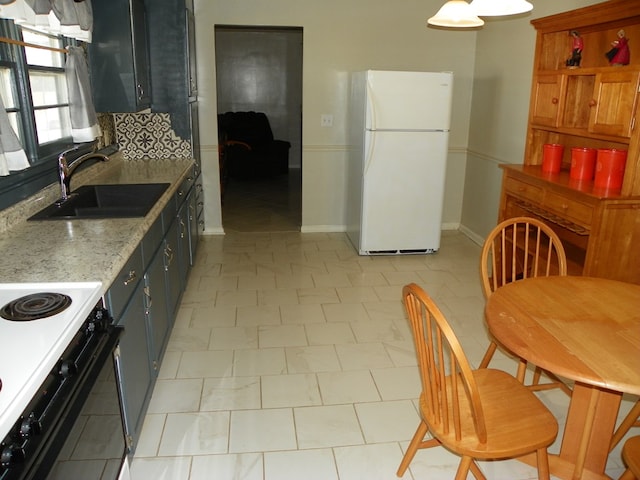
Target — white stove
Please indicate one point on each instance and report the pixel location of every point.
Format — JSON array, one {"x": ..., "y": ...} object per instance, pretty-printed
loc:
[{"x": 30, "y": 349}]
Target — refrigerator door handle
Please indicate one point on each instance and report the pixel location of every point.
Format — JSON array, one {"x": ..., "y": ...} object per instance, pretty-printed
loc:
[{"x": 370, "y": 149}]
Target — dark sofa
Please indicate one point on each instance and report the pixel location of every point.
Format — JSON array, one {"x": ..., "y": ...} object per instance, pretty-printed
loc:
[{"x": 248, "y": 147}]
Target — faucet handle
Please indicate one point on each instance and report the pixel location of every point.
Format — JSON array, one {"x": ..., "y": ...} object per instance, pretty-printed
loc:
[{"x": 63, "y": 156}]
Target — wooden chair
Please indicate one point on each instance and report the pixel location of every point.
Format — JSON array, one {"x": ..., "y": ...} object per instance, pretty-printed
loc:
[
  {"x": 519, "y": 248},
  {"x": 631, "y": 457},
  {"x": 478, "y": 414},
  {"x": 631, "y": 420}
]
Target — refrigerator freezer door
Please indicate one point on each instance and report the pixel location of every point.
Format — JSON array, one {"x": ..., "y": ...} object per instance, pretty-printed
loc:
[
  {"x": 408, "y": 100},
  {"x": 402, "y": 194}
]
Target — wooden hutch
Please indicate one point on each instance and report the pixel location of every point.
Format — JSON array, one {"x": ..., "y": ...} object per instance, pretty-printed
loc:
[{"x": 594, "y": 105}]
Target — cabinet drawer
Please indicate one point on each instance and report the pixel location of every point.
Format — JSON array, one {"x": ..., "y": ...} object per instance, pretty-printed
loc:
[
  {"x": 523, "y": 190},
  {"x": 578, "y": 212},
  {"x": 152, "y": 241},
  {"x": 125, "y": 284}
]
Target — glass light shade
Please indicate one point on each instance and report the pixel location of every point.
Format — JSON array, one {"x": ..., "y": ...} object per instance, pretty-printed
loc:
[
  {"x": 494, "y": 8},
  {"x": 455, "y": 13}
]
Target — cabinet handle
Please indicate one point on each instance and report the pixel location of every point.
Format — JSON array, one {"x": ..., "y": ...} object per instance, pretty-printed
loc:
[
  {"x": 140, "y": 91},
  {"x": 592, "y": 103},
  {"x": 147, "y": 294},
  {"x": 555, "y": 100},
  {"x": 565, "y": 206},
  {"x": 183, "y": 229},
  {"x": 168, "y": 253},
  {"x": 201, "y": 204},
  {"x": 131, "y": 278}
]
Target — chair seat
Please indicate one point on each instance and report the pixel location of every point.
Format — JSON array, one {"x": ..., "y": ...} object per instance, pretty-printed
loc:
[
  {"x": 516, "y": 420},
  {"x": 631, "y": 455}
]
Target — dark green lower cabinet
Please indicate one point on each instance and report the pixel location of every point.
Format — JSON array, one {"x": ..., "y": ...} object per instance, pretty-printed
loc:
[{"x": 135, "y": 369}]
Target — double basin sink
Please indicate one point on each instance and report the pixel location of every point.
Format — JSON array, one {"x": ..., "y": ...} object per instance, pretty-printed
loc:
[{"x": 105, "y": 201}]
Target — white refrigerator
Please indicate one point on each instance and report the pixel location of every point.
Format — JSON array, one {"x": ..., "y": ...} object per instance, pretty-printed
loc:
[{"x": 398, "y": 144}]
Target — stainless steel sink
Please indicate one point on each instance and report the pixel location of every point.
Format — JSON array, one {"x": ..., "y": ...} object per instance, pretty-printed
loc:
[{"x": 105, "y": 201}]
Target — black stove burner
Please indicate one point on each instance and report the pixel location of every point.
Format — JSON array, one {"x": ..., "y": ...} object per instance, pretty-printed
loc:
[{"x": 35, "y": 306}]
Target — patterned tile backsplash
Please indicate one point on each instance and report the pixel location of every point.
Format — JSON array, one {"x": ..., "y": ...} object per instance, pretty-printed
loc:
[{"x": 149, "y": 135}]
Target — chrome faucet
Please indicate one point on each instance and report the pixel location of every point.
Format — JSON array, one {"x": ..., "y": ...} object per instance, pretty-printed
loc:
[{"x": 66, "y": 169}]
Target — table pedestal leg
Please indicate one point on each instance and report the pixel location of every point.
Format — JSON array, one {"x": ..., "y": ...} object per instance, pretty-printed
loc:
[{"x": 584, "y": 443}]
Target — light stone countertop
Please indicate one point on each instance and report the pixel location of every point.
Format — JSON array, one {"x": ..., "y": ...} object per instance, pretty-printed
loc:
[{"x": 82, "y": 250}]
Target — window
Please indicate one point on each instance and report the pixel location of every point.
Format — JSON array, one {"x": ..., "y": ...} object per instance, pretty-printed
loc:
[{"x": 34, "y": 91}]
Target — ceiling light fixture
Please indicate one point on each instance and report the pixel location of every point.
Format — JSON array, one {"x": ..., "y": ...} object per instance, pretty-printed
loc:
[
  {"x": 456, "y": 13},
  {"x": 494, "y": 8}
]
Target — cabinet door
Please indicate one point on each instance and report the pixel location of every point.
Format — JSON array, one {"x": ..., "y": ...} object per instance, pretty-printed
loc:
[
  {"x": 172, "y": 269},
  {"x": 192, "y": 200},
  {"x": 156, "y": 308},
  {"x": 134, "y": 366},
  {"x": 119, "y": 57},
  {"x": 547, "y": 98},
  {"x": 184, "y": 249},
  {"x": 614, "y": 101},
  {"x": 141, "y": 54}
]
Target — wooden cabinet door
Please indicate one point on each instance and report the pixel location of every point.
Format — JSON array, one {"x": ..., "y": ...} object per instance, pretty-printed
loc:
[
  {"x": 547, "y": 99},
  {"x": 613, "y": 104}
]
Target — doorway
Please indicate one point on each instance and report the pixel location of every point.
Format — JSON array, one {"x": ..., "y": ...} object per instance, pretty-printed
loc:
[{"x": 260, "y": 69}]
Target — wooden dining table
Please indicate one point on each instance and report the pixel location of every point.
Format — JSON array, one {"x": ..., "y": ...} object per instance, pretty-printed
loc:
[{"x": 584, "y": 329}]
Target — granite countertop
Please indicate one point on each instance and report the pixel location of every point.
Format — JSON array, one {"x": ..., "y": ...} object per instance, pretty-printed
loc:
[{"x": 82, "y": 250}]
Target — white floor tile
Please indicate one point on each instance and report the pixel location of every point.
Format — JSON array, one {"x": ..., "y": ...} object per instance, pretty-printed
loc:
[
  {"x": 299, "y": 363},
  {"x": 329, "y": 333},
  {"x": 397, "y": 383},
  {"x": 347, "y": 387},
  {"x": 262, "y": 430},
  {"x": 290, "y": 391},
  {"x": 200, "y": 433},
  {"x": 234, "y": 338},
  {"x": 281, "y": 336},
  {"x": 169, "y": 468},
  {"x": 370, "y": 462},
  {"x": 328, "y": 426},
  {"x": 300, "y": 464},
  {"x": 387, "y": 421},
  {"x": 230, "y": 393},
  {"x": 212, "y": 363},
  {"x": 180, "y": 395},
  {"x": 320, "y": 358},
  {"x": 361, "y": 356},
  {"x": 243, "y": 466},
  {"x": 267, "y": 361}
]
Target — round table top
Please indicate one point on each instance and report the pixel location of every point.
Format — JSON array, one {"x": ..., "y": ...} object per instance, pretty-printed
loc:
[{"x": 582, "y": 328}]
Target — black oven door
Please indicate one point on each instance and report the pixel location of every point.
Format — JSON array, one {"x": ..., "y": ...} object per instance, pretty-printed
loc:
[
  {"x": 77, "y": 433},
  {"x": 92, "y": 432}
]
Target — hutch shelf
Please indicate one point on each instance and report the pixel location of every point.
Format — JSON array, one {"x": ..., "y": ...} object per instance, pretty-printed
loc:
[{"x": 594, "y": 105}]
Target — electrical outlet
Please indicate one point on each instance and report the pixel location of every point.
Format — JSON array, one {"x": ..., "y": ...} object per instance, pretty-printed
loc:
[{"x": 326, "y": 120}]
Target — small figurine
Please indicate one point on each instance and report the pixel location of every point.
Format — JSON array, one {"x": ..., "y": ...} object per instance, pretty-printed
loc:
[
  {"x": 619, "y": 53},
  {"x": 576, "y": 49}
]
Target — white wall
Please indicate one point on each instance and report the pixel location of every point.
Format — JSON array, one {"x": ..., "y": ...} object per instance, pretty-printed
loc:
[
  {"x": 339, "y": 37},
  {"x": 501, "y": 89}
]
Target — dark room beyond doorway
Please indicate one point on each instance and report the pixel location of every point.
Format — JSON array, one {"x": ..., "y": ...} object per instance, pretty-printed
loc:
[{"x": 259, "y": 69}]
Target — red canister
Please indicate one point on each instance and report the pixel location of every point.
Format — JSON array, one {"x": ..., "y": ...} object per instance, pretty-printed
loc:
[
  {"x": 583, "y": 163},
  {"x": 610, "y": 165},
  {"x": 552, "y": 157}
]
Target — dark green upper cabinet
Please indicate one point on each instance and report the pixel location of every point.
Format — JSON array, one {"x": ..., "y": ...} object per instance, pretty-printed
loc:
[
  {"x": 172, "y": 59},
  {"x": 119, "y": 56}
]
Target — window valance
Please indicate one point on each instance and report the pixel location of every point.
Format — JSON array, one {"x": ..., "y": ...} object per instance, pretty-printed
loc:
[{"x": 59, "y": 17}]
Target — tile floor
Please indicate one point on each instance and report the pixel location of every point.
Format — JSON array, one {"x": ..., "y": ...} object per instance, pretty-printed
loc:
[
  {"x": 291, "y": 359},
  {"x": 271, "y": 204}
]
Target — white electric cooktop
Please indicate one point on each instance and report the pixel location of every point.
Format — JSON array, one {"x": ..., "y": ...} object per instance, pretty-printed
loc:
[{"x": 30, "y": 349}]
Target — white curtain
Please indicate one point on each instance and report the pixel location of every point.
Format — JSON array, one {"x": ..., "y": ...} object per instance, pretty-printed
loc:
[
  {"x": 12, "y": 156},
  {"x": 84, "y": 121},
  {"x": 58, "y": 17}
]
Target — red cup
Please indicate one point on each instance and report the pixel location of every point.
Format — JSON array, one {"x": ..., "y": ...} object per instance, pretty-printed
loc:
[
  {"x": 552, "y": 157},
  {"x": 583, "y": 163},
  {"x": 610, "y": 165}
]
